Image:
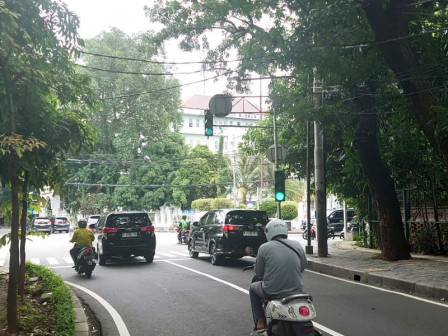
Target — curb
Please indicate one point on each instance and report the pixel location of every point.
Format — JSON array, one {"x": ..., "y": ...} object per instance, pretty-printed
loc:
[
  {"x": 81, "y": 325},
  {"x": 373, "y": 278}
]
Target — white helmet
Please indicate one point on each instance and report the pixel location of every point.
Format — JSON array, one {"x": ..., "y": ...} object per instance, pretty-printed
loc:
[{"x": 276, "y": 227}]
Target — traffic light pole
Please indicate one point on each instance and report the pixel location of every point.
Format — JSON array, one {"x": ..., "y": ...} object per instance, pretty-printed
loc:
[{"x": 279, "y": 208}]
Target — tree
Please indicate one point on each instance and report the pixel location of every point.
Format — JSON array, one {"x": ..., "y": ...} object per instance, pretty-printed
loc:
[
  {"x": 411, "y": 37},
  {"x": 37, "y": 83},
  {"x": 136, "y": 144}
]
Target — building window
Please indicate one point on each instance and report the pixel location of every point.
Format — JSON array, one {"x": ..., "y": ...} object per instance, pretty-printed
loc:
[
  {"x": 238, "y": 123},
  {"x": 197, "y": 123},
  {"x": 190, "y": 122},
  {"x": 231, "y": 122}
]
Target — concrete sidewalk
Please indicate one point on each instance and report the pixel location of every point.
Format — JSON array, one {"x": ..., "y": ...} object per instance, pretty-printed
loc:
[{"x": 423, "y": 275}]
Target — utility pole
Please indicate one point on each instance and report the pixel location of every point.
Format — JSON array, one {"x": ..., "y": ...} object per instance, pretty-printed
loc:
[
  {"x": 319, "y": 180},
  {"x": 308, "y": 247},
  {"x": 279, "y": 205}
]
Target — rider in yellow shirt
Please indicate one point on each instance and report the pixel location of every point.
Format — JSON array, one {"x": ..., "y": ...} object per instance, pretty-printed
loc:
[{"x": 82, "y": 237}]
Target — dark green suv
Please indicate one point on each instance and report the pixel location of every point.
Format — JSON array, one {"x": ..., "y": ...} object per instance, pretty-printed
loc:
[
  {"x": 125, "y": 234},
  {"x": 233, "y": 233}
]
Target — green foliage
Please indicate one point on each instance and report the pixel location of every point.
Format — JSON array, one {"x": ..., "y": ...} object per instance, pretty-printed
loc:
[
  {"x": 61, "y": 304},
  {"x": 289, "y": 210},
  {"x": 203, "y": 204},
  {"x": 221, "y": 203},
  {"x": 423, "y": 241},
  {"x": 270, "y": 206}
]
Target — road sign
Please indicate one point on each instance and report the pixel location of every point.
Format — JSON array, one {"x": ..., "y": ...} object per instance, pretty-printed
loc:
[
  {"x": 220, "y": 105},
  {"x": 281, "y": 153}
]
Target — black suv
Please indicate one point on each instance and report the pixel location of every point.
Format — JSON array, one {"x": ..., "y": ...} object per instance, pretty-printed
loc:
[
  {"x": 228, "y": 233},
  {"x": 336, "y": 219},
  {"x": 125, "y": 234}
]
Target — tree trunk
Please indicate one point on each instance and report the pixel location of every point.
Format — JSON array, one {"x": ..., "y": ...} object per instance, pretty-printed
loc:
[
  {"x": 21, "y": 284},
  {"x": 393, "y": 242},
  {"x": 14, "y": 249},
  {"x": 391, "y": 27},
  {"x": 13, "y": 326}
]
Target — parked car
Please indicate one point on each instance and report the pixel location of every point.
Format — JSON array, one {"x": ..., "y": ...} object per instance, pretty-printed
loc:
[
  {"x": 61, "y": 224},
  {"x": 233, "y": 233},
  {"x": 336, "y": 219},
  {"x": 125, "y": 234},
  {"x": 92, "y": 221},
  {"x": 43, "y": 224}
]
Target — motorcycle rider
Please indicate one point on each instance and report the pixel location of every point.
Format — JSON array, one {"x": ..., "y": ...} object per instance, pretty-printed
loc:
[
  {"x": 184, "y": 224},
  {"x": 279, "y": 267},
  {"x": 82, "y": 237}
]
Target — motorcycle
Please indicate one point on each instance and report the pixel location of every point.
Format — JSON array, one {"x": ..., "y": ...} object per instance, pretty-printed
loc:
[
  {"x": 330, "y": 233},
  {"x": 289, "y": 314},
  {"x": 183, "y": 236},
  {"x": 85, "y": 261}
]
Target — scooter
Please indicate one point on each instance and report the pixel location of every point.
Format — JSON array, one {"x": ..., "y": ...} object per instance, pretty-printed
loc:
[
  {"x": 330, "y": 233},
  {"x": 289, "y": 314},
  {"x": 183, "y": 236},
  {"x": 85, "y": 262}
]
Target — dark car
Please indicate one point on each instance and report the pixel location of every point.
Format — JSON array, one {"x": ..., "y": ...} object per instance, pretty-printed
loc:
[
  {"x": 61, "y": 224},
  {"x": 233, "y": 233},
  {"x": 42, "y": 224},
  {"x": 336, "y": 219},
  {"x": 92, "y": 222},
  {"x": 125, "y": 234}
]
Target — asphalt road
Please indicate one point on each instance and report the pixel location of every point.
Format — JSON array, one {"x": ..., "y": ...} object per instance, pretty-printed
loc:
[{"x": 176, "y": 295}]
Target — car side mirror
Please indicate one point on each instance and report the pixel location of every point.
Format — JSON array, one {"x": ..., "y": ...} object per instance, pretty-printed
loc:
[{"x": 196, "y": 224}]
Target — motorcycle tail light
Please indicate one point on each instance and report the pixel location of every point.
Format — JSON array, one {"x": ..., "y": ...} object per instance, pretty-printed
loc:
[
  {"x": 304, "y": 311},
  {"x": 88, "y": 250},
  {"x": 149, "y": 228},
  {"x": 187, "y": 231}
]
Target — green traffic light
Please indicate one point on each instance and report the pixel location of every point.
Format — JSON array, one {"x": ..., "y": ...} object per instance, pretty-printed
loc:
[
  {"x": 209, "y": 131},
  {"x": 279, "y": 196}
]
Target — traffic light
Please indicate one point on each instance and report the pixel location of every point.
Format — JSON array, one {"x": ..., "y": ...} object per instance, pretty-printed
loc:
[
  {"x": 208, "y": 122},
  {"x": 279, "y": 191}
]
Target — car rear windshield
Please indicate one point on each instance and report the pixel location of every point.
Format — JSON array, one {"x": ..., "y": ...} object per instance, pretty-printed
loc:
[
  {"x": 247, "y": 218},
  {"x": 128, "y": 220}
]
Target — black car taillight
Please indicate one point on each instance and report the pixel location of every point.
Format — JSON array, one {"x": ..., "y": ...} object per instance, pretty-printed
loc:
[{"x": 148, "y": 228}]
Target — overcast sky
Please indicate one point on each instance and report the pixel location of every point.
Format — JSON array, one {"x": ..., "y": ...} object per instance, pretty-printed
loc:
[{"x": 100, "y": 15}]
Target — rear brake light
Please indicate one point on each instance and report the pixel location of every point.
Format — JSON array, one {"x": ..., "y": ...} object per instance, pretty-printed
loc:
[
  {"x": 304, "y": 311},
  {"x": 149, "y": 228},
  {"x": 229, "y": 227},
  {"x": 109, "y": 230},
  {"x": 187, "y": 231},
  {"x": 88, "y": 250}
]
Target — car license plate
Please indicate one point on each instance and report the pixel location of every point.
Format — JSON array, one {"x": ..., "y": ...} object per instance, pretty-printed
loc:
[
  {"x": 129, "y": 234},
  {"x": 250, "y": 233}
]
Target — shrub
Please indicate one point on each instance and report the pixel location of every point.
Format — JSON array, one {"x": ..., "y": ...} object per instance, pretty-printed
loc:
[
  {"x": 61, "y": 301},
  {"x": 424, "y": 241},
  {"x": 270, "y": 206},
  {"x": 289, "y": 210},
  {"x": 202, "y": 204},
  {"x": 220, "y": 203}
]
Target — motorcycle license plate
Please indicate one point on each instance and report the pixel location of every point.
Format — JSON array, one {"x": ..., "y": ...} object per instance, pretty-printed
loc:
[
  {"x": 250, "y": 233},
  {"x": 89, "y": 257},
  {"x": 129, "y": 234}
]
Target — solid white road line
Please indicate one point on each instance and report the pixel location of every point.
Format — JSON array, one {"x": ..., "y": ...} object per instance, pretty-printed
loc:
[
  {"x": 122, "y": 330},
  {"x": 317, "y": 325}
]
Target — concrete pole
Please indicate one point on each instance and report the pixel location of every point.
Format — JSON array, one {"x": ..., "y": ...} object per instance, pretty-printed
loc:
[
  {"x": 321, "y": 199},
  {"x": 308, "y": 247}
]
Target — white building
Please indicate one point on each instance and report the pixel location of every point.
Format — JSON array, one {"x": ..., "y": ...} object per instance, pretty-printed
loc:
[{"x": 232, "y": 127}]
